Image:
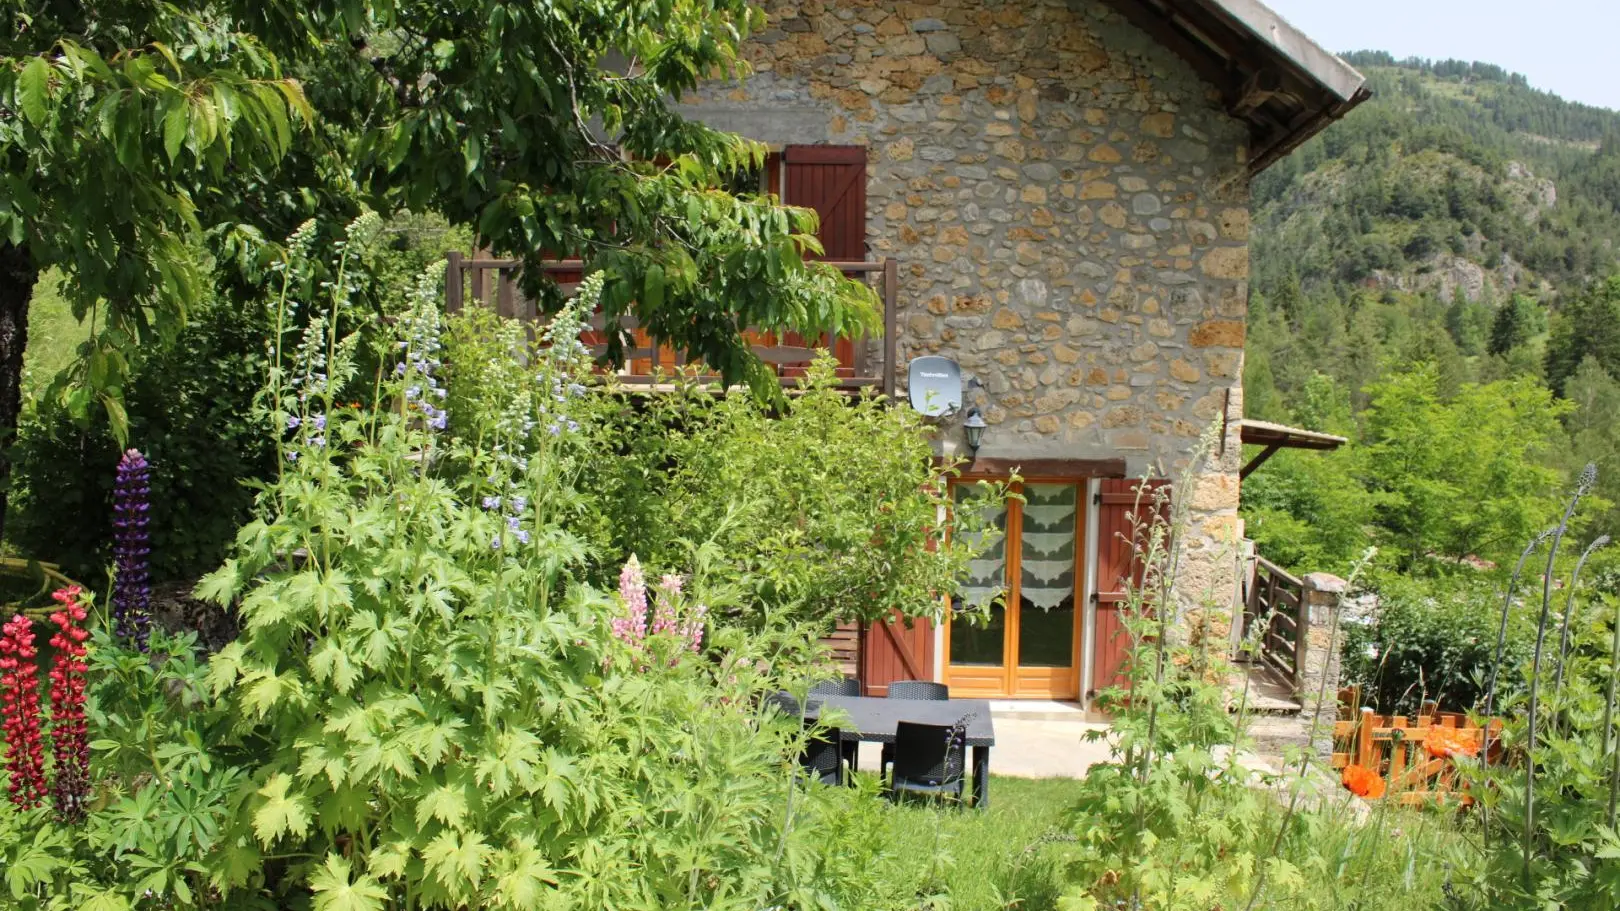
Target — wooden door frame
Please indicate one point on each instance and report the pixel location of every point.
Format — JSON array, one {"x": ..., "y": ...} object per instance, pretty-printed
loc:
[{"x": 1010, "y": 674}]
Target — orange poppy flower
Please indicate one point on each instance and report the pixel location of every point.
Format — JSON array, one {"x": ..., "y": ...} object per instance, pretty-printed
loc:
[
  {"x": 1363, "y": 782},
  {"x": 1446, "y": 742}
]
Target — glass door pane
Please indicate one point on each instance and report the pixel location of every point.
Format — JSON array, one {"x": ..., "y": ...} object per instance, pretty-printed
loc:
[
  {"x": 1046, "y": 562},
  {"x": 975, "y": 642}
]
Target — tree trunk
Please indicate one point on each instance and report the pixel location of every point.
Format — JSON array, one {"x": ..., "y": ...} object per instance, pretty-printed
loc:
[{"x": 18, "y": 274}]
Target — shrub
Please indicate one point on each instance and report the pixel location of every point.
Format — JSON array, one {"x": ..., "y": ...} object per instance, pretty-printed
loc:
[
  {"x": 1176, "y": 821},
  {"x": 819, "y": 508},
  {"x": 189, "y": 407},
  {"x": 1431, "y": 638},
  {"x": 428, "y": 706}
]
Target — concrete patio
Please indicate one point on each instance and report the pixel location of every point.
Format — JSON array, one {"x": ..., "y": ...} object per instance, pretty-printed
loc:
[{"x": 1043, "y": 739}]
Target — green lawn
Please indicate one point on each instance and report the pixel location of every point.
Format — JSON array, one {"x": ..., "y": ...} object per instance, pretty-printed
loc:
[
  {"x": 53, "y": 334},
  {"x": 970, "y": 860}
]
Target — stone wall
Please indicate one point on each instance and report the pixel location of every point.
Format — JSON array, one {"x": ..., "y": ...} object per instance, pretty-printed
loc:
[{"x": 1069, "y": 206}]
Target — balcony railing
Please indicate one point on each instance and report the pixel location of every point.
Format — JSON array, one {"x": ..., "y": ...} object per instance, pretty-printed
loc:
[
  {"x": 1274, "y": 601},
  {"x": 494, "y": 283}
]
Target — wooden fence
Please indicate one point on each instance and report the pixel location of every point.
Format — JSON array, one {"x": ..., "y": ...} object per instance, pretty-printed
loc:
[
  {"x": 1277, "y": 600},
  {"x": 1415, "y": 756},
  {"x": 494, "y": 283}
]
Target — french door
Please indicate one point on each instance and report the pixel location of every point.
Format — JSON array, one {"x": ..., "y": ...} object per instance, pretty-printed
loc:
[{"x": 1031, "y": 580}]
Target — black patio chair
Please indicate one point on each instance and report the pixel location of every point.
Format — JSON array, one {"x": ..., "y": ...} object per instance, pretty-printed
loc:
[
  {"x": 823, "y": 756},
  {"x": 824, "y": 752},
  {"x": 929, "y": 760},
  {"x": 924, "y": 690},
  {"x": 848, "y": 686}
]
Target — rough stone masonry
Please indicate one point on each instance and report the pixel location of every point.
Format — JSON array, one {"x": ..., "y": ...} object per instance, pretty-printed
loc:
[{"x": 1069, "y": 206}]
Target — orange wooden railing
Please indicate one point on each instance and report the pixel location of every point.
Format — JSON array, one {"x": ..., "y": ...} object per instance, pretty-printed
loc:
[{"x": 1416, "y": 756}]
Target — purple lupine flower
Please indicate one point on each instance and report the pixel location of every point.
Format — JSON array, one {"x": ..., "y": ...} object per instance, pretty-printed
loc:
[
  {"x": 492, "y": 502},
  {"x": 132, "y": 597},
  {"x": 293, "y": 421}
]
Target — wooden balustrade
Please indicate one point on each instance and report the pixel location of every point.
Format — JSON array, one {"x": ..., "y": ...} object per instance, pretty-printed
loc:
[
  {"x": 1277, "y": 600},
  {"x": 468, "y": 282}
]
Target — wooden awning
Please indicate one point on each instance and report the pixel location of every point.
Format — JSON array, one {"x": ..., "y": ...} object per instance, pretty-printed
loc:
[{"x": 1280, "y": 436}]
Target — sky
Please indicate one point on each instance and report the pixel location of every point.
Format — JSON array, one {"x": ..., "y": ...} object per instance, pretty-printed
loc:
[{"x": 1568, "y": 47}]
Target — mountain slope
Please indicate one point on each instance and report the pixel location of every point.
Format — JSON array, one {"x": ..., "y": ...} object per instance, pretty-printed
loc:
[
  {"x": 1455, "y": 176},
  {"x": 1401, "y": 233}
]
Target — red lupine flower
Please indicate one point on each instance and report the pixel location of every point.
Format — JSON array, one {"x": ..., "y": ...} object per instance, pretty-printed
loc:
[
  {"x": 70, "y": 741},
  {"x": 19, "y": 712}
]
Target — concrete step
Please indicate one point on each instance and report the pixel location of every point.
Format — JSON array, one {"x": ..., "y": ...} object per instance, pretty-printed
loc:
[{"x": 1043, "y": 710}]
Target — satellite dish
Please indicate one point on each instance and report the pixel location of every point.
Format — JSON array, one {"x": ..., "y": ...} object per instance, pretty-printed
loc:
[{"x": 936, "y": 385}]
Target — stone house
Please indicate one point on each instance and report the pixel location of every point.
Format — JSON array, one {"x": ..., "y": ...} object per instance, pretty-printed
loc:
[
  {"x": 1063, "y": 188},
  {"x": 1052, "y": 194}
]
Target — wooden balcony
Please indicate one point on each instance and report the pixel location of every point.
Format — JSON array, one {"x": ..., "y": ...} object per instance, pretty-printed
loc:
[{"x": 862, "y": 364}]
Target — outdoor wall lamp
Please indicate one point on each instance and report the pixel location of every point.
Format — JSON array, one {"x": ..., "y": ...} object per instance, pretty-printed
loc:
[{"x": 973, "y": 427}]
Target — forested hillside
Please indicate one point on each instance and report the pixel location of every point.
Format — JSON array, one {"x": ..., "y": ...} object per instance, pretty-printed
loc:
[{"x": 1432, "y": 275}]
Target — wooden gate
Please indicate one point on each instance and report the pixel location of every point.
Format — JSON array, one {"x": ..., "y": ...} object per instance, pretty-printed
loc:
[
  {"x": 893, "y": 651},
  {"x": 1119, "y": 567}
]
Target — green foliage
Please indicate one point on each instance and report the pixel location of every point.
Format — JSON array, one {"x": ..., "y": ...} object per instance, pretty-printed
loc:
[
  {"x": 1176, "y": 822},
  {"x": 1460, "y": 476},
  {"x": 189, "y": 410},
  {"x": 827, "y": 509},
  {"x": 189, "y": 404},
  {"x": 1587, "y": 326},
  {"x": 1548, "y": 815},
  {"x": 1311, "y": 510},
  {"x": 118, "y": 160},
  {"x": 1431, "y": 639},
  {"x": 1515, "y": 323}
]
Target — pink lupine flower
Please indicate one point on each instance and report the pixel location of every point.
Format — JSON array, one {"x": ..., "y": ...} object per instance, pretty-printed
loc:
[
  {"x": 631, "y": 628},
  {"x": 633, "y": 589}
]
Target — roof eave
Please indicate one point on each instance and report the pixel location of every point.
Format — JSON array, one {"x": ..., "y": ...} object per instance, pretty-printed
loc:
[{"x": 1270, "y": 74}]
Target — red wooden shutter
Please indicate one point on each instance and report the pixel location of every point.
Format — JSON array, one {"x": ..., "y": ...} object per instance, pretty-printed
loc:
[
  {"x": 894, "y": 651},
  {"x": 1118, "y": 567},
  {"x": 832, "y": 181}
]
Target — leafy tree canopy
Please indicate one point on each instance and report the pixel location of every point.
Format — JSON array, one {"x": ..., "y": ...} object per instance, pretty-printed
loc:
[{"x": 146, "y": 145}]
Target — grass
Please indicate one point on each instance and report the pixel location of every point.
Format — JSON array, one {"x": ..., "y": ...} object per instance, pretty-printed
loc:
[
  {"x": 985, "y": 860},
  {"x": 53, "y": 335}
]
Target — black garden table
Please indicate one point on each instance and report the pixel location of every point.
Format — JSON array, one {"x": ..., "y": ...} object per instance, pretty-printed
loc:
[{"x": 875, "y": 720}]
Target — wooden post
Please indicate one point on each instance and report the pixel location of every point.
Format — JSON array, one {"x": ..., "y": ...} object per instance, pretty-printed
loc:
[
  {"x": 452, "y": 282},
  {"x": 1364, "y": 739},
  {"x": 477, "y": 284},
  {"x": 1399, "y": 743},
  {"x": 1302, "y": 638},
  {"x": 504, "y": 304},
  {"x": 891, "y": 293}
]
